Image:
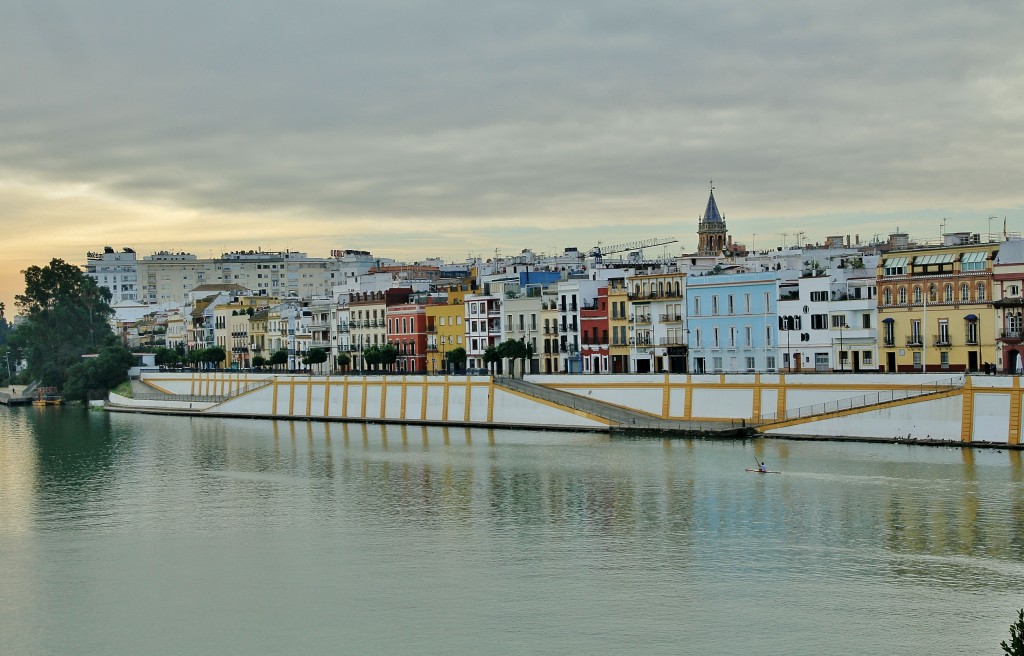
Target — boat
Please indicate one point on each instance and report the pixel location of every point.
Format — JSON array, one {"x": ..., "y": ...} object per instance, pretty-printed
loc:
[
  {"x": 759, "y": 471},
  {"x": 47, "y": 396}
]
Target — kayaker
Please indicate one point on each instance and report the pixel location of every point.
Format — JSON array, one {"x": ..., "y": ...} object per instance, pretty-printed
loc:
[{"x": 761, "y": 468}]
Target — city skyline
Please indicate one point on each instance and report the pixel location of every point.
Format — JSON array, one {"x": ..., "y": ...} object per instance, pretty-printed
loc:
[{"x": 414, "y": 131}]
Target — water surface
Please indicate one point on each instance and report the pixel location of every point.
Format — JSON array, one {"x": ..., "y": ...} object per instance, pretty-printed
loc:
[{"x": 125, "y": 534}]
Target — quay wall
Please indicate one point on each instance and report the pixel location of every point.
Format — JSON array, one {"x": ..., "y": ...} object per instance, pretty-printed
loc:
[
  {"x": 976, "y": 408},
  {"x": 454, "y": 400},
  {"x": 979, "y": 409}
]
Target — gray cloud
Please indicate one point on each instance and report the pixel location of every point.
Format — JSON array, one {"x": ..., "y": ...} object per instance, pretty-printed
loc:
[{"x": 601, "y": 113}]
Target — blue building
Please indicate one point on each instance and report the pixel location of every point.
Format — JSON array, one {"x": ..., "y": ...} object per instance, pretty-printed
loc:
[{"x": 732, "y": 321}]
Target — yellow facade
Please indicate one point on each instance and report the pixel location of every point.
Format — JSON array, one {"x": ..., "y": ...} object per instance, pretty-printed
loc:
[
  {"x": 935, "y": 310},
  {"x": 446, "y": 330},
  {"x": 618, "y": 325}
]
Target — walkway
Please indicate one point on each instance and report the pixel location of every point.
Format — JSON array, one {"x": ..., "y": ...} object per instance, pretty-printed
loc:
[{"x": 626, "y": 422}]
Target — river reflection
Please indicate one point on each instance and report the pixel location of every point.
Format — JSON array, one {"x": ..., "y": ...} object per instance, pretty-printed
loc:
[{"x": 550, "y": 541}]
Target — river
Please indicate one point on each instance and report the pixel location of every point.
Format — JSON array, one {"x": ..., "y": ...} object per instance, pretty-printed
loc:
[{"x": 134, "y": 534}]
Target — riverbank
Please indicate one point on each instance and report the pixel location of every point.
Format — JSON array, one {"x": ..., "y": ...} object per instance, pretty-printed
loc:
[{"x": 921, "y": 409}]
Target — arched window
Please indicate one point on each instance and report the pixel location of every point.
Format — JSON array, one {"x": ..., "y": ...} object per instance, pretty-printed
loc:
[
  {"x": 949, "y": 293},
  {"x": 903, "y": 295},
  {"x": 917, "y": 295},
  {"x": 933, "y": 294},
  {"x": 661, "y": 289},
  {"x": 965, "y": 292},
  {"x": 677, "y": 289},
  {"x": 888, "y": 296},
  {"x": 981, "y": 291}
]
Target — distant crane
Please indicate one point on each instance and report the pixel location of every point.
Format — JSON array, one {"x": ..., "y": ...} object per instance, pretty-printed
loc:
[{"x": 599, "y": 251}]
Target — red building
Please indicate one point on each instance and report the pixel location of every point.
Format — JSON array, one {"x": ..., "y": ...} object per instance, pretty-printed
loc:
[
  {"x": 594, "y": 334},
  {"x": 407, "y": 331}
]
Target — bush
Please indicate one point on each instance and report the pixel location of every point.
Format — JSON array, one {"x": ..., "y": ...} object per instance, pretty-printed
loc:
[{"x": 1016, "y": 645}]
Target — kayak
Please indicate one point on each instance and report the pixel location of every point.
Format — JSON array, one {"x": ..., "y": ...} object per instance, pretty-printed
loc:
[{"x": 758, "y": 471}]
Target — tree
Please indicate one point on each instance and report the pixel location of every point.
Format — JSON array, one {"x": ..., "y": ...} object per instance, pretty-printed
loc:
[
  {"x": 490, "y": 357},
  {"x": 504, "y": 351},
  {"x": 371, "y": 357},
  {"x": 315, "y": 356},
  {"x": 104, "y": 372},
  {"x": 278, "y": 358},
  {"x": 65, "y": 316},
  {"x": 166, "y": 356},
  {"x": 1016, "y": 645},
  {"x": 388, "y": 355},
  {"x": 214, "y": 356},
  {"x": 527, "y": 355},
  {"x": 342, "y": 360},
  {"x": 457, "y": 358},
  {"x": 258, "y": 361}
]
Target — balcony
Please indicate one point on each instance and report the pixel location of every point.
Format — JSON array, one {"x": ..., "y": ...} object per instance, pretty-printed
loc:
[
  {"x": 914, "y": 340},
  {"x": 670, "y": 318},
  {"x": 889, "y": 341},
  {"x": 1010, "y": 335},
  {"x": 641, "y": 318},
  {"x": 940, "y": 340}
]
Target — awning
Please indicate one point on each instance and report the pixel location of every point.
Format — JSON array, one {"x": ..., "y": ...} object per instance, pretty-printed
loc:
[
  {"x": 895, "y": 262},
  {"x": 971, "y": 317},
  {"x": 942, "y": 258},
  {"x": 891, "y": 320},
  {"x": 976, "y": 256}
]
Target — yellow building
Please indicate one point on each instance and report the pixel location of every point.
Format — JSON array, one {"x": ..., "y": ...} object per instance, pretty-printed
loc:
[
  {"x": 618, "y": 325},
  {"x": 445, "y": 331},
  {"x": 935, "y": 309}
]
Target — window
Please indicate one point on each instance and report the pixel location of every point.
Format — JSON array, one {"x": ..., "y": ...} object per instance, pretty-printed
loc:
[
  {"x": 732, "y": 305},
  {"x": 888, "y": 297},
  {"x": 819, "y": 322},
  {"x": 981, "y": 291},
  {"x": 917, "y": 359},
  {"x": 865, "y": 320},
  {"x": 714, "y": 305},
  {"x": 838, "y": 321},
  {"x": 890, "y": 338},
  {"x": 917, "y": 295},
  {"x": 915, "y": 331},
  {"x": 748, "y": 334},
  {"x": 716, "y": 342},
  {"x": 746, "y": 303},
  {"x": 696, "y": 337},
  {"x": 750, "y": 364},
  {"x": 895, "y": 266},
  {"x": 767, "y": 335},
  {"x": 769, "y": 363},
  {"x": 732, "y": 336},
  {"x": 965, "y": 292},
  {"x": 865, "y": 357},
  {"x": 903, "y": 295},
  {"x": 818, "y": 297},
  {"x": 948, "y": 293},
  {"x": 696, "y": 306},
  {"x": 943, "y": 332},
  {"x": 933, "y": 294},
  {"x": 973, "y": 261}
]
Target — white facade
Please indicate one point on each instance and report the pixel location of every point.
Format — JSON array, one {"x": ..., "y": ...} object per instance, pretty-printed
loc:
[{"x": 117, "y": 272}]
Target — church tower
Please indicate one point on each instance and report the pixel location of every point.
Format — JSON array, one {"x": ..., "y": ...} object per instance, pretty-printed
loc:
[{"x": 712, "y": 237}]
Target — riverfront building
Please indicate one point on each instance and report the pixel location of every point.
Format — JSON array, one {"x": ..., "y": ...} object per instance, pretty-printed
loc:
[
  {"x": 732, "y": 321},
  {"x": 936, "y": 310}
]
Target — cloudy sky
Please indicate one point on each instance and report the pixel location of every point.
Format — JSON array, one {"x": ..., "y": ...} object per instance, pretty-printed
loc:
[{"x": 443, "y": 127}]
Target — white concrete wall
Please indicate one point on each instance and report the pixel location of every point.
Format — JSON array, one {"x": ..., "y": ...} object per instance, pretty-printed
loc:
[
  {"x": 938, "y": 419},
  {"x": 390, "y": 398}
]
